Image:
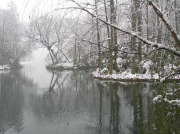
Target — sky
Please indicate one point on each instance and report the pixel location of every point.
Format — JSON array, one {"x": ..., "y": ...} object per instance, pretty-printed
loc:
[
  {"x": 27, "y": 7},
  {"x": 20, "y": 4}
]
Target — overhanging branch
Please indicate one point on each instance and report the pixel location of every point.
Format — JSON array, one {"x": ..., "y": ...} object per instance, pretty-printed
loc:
[
  {"x": 166, "y": 22},
  {"x": 132, "y": 33}
]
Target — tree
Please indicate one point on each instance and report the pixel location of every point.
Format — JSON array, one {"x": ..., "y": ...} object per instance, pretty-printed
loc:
[
  {"x": 10, "y": 35},
  {"x": 42, "y": 32},
  {"x": 98, "y": 36},
  {"x": 138, "y": 35}
]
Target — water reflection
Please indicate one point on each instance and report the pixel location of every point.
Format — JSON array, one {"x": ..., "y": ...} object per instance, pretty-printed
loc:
[
  {"x": 72, "y": 102},
  {"x": 12, "y": 101}
]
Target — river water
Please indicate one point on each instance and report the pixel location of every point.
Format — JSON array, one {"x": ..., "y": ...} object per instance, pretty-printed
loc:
[{"x": 36, "y": 101}]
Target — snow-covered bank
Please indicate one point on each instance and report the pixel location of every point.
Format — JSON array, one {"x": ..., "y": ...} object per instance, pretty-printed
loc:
[
  {"x": 5, "y": 67},
  {"x": 66, "y": 66},
  {"x": 26, "y": 62},
  {"x": 61, "y": 66},
  {"x": 147, "y": 76},
  {"x": 126, "y": 76}
]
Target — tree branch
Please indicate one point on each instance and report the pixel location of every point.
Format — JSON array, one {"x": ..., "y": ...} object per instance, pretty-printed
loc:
[
  {"x": 144, "y": 40},
  {"x": 166, "y": 22}
]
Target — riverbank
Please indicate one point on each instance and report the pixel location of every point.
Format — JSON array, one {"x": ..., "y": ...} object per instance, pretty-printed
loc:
[
  {"x": 127, "y": 76},
  {"x": 61, "y": 66},
  {"x": 8, "y": 67},
  {"x": 5, "y": 67},
  {"x": 66, "y": 66}
]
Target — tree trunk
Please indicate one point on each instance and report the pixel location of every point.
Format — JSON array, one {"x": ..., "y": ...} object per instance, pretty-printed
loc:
[
  {"x": 168, "y": 25},
  {"x": 113, "y": 34},
  {"x": 133, "y": 39},
  {"x": 147, "y": 15},
  {"x": 75, "y": 54},
  {"x": 109, "y": 40},
  {"x": 98, "y": 38},
  {"x": 139, "y": 28},
  {"x": 176, "y": 16}
]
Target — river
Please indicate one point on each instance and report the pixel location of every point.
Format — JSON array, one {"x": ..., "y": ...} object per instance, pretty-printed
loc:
[{"x": 36, "y": 101}]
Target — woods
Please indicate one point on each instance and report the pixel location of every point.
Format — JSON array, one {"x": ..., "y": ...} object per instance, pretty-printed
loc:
[
  {"x": 11, "y": 31},
  {"x": 116, "y": 35}
]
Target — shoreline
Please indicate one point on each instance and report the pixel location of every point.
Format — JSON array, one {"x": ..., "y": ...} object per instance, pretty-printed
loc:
[
  {"x": 66, "y": 66},
  {"x": 127, "y": 76}
]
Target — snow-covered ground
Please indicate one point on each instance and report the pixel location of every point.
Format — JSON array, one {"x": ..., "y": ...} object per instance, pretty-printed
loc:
[
  {"x": 127, "y": 75},
  {"x": 61, "y": 66},
  {"x": 66, "y": 66},
  {"x": 4, "y": 67}
]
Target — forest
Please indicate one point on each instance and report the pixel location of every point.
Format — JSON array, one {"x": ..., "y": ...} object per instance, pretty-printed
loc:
[
  {"x": 130, "y": 36},
  {"x": 117, "y": 37}
]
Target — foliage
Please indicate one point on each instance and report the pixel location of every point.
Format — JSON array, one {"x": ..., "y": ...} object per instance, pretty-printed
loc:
[{"x": 166, "y": 111}]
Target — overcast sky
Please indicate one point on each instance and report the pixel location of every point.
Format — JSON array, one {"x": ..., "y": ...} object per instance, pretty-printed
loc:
[
  {"x": 26, "y": 7},
  {"x": 23, "y": 7},
  {"x": 29, "y": 8}
]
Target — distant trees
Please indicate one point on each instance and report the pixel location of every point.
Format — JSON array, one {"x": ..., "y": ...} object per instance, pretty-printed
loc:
[{"x": 10, "y": 35}]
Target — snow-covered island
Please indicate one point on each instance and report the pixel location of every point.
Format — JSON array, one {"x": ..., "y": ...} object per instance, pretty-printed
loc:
[
  {"x": 66, "y": 66},
  {"x": 127, "y": 76},
  {"x": 4, "y": 67},
  {"x": 61, "y": 66}
]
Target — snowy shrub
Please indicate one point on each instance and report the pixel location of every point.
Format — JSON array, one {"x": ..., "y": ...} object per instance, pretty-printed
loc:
[
  {"x": 145, "y": 67},
  {"x": 167, "y": 112}
]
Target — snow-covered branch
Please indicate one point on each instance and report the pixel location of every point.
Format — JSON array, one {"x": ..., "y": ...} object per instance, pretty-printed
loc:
[
  {"x": 160, "y": 14},
  {"x": 132, "y": 33}
]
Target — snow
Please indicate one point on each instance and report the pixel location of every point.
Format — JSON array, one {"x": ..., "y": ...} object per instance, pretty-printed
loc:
[
  {"x": 157, "y": 99},
  {"x": 62, "y": 65},
  {"x": 119, "y": 60},
  {"x": 163, "y": 79},
  {"x": 178, "y": 36},
  {"x": 126, "y": 75},
  {"x": 5, "y": 67},
  {"x": 26, "y": 62},
  {"x": 104, "y": 70},
  {"x": 148, "y": 75},
  {"x": 160, "y": 98}
]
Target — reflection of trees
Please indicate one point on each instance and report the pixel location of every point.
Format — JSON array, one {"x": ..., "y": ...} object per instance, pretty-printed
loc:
[
  {"x": 71, "y": 95},
  {"x": 130, "y": 108},
  {"x": 12, "y": 100},
  {"x": 75, "y": 96},
  {"x": 114, "y": 101},
  {"x": 95, "y": 106}
]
